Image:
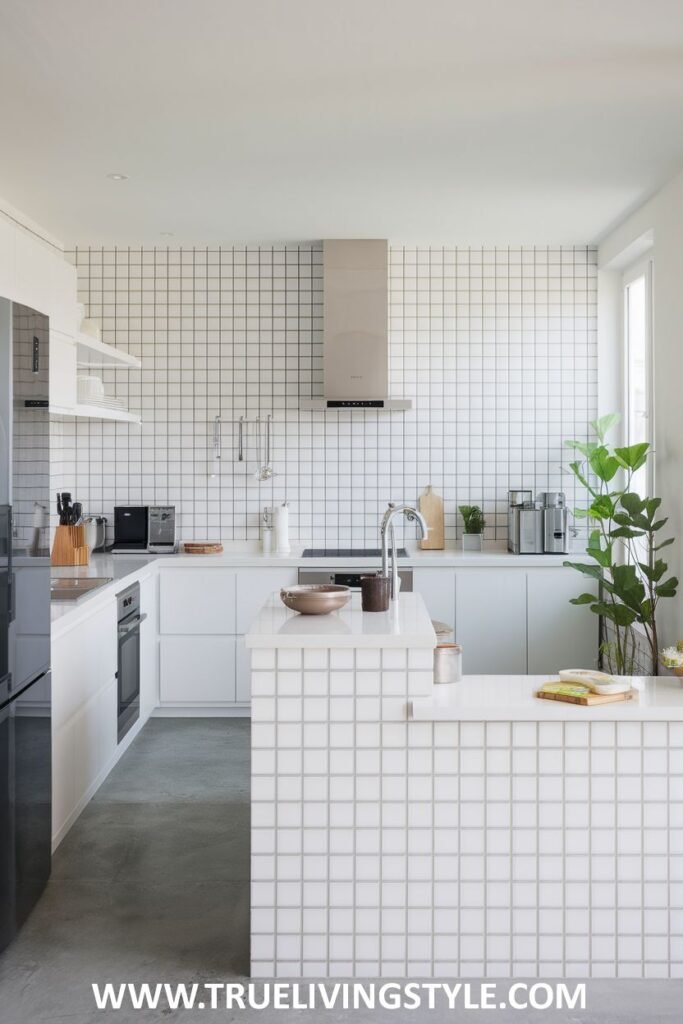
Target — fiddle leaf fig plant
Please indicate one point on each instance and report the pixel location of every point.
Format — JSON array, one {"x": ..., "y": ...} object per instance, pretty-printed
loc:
[{"x": 623, "y": 546}]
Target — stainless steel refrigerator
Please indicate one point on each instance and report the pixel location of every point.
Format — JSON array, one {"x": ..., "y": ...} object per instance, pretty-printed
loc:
[{"x": 25, "y": 683}]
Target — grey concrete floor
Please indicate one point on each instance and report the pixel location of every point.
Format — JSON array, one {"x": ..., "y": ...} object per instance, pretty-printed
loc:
[{"x": 151, "y": 884}]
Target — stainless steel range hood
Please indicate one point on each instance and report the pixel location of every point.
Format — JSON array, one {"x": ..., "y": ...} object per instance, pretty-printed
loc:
[{"x": 355, "y": 327}]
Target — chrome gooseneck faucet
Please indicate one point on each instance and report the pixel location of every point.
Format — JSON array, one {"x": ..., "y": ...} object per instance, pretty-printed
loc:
[{"x": 387, "y": 536}]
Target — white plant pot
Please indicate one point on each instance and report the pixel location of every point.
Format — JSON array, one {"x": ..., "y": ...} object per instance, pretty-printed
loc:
[{"x": 471, "y": 542}]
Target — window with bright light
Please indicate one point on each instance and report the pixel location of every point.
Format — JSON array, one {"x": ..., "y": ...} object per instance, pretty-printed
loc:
[{"x": 638, "y": 367}]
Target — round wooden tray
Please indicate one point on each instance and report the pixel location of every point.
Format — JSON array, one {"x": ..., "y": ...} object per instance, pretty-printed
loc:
[{"x": 202, "y": 547}]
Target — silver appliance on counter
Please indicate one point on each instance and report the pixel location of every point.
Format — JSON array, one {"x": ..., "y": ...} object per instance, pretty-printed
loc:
[
  {"x": 161, "y": 529},
  {"x": 525, "y": 524},
  {"x": 555, "y": 523},
  {"x": 537, "y": 527}
]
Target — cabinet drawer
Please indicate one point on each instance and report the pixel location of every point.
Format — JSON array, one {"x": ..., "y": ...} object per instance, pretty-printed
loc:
[
  {"x": 197, "y": 601},
  {"x": 253, "y": 587},
  {"x": 197, "y": 669}
]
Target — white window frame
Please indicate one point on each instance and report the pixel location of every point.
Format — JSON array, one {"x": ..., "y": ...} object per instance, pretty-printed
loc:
[{"x": 643, "y": 268}]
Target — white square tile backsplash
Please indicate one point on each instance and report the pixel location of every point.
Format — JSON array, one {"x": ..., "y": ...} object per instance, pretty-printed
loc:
[{"x": 496, "y": 348}]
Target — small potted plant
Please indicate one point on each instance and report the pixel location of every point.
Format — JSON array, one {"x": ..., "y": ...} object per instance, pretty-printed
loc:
[{"x": 473, "y": 519}]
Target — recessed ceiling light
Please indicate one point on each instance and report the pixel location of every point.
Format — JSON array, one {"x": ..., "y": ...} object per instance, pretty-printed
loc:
[{"x": 118, "y": 177}]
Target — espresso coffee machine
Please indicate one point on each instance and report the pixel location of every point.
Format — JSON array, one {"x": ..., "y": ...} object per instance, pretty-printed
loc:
[
  {"x": 555, "y": 523},
  {"x": 525, "y": 524},
  {"x": 537, "y": 527}
]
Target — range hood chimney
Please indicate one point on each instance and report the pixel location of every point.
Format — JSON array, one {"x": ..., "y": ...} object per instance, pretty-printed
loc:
[{"x": 355, "y": 327}]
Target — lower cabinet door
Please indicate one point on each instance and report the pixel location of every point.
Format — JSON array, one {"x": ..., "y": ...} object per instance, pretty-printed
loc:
[
  {"x": 243, "y": 672},
  {"x": 437, "y": 589},
  {"x": 490, "y": 620},
  {"x": 561, "y": 635},
  {"x": 197, "y": 669}
]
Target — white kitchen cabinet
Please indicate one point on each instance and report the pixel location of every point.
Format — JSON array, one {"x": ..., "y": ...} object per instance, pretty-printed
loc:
[
  {"x": 197, "y": 669},
  {"x": 437, "y": 589},
  {"x": 253, "y": 587},
  {"x": 197, "y": 601},
  {"x": 84, "y": 713},
  {"x": 560, "y": 634},
  {"x": 491, "y": 620},
  {"x": 149, "y": 646},
  {"x": 242, "y": 672},
  {"x": 62, "y": 373}
]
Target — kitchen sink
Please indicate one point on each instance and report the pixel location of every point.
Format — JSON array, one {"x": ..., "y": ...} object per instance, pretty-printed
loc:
[{"x": 69, "y": 589}]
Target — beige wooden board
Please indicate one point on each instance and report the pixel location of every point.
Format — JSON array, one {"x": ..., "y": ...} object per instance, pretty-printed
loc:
[{"x": 431, "y": 507}]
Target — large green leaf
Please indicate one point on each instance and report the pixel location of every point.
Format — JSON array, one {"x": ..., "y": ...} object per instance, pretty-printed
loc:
[
  {"x": 654, "y": 572},
  {"x": 651, "y": 506},
  {"x": 577, "y": 470},
  {"x": 588, "y": 570},
  {"x": 628, "y": 586},
  {"x": 581, "y": 446},
  {"x": 602, "y": 507},
  {"x": 582, "y": 599},
  {"x": 664, "y": 544},
  {"x": 604, "y": 465},
  {"x": 634, "y": 456},
  {"x": 627, "y": 532},
  {"x": 632, "y": 502},
  {"x": 604, "y": 424},
  {"x": 617, "y": 613},
  {"x": 668, "y": 588}
]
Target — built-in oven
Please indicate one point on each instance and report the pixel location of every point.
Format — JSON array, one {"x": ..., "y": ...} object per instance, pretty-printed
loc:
[
  {"x": 350, "y": 578},
  {"x": 130, "y": 620}
]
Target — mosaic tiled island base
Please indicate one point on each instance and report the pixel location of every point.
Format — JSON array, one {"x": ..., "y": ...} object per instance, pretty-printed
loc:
[{"x": 388, "y": 846}]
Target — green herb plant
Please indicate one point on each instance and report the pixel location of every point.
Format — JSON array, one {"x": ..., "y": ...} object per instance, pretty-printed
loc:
[
  {"x": 473, "y": 518},
  {"x": 624, "y": 547}
]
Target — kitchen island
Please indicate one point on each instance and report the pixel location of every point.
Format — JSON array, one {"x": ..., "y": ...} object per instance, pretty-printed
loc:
[{"x": 402, "y": 829}]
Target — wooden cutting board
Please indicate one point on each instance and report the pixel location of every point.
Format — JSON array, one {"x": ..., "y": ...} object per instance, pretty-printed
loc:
[
  {"x": 203, "y": 547},
  {"x": 431, "y": 507},
  {"x": 576, "y": 694}
]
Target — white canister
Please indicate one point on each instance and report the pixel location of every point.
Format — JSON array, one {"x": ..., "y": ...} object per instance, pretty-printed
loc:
[
  {"x": 281, "y": 525},
  {"x": 267, "y": 540}
]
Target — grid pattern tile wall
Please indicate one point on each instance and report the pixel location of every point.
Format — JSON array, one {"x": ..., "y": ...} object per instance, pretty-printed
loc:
[
  {"x": 388, "y": 848},
  {"x": 496, "y": 348}
]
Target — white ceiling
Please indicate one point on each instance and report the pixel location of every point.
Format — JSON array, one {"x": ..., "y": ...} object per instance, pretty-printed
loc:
[{"x": 466, "y": 121}]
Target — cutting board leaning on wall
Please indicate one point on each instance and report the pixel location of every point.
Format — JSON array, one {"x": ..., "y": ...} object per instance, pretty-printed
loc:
[{"x": 431, "y": 507}]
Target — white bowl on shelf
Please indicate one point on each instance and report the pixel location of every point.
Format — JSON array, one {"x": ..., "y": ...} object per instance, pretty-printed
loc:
[{"x": 90, "y": 388}]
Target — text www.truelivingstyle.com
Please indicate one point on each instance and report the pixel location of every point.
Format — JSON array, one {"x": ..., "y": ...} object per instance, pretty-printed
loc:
[{"x": 280, "y": 995}]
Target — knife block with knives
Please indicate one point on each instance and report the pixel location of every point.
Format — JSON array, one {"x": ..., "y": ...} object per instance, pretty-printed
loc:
[{"x": 69, "y": 547}]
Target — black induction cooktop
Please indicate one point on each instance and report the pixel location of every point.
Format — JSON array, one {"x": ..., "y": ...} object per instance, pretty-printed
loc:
[{"x": 348, "y": 553}]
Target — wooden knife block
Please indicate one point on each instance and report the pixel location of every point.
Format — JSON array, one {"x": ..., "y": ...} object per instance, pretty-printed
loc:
[{"x": 69, "y": 546}]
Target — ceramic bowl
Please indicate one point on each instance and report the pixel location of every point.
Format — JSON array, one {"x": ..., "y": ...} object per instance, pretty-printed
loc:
[{"x": 315, "y": 598}]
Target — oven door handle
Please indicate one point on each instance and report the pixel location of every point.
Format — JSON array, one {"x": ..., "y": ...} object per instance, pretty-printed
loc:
[{"x": 130, "y": 627}]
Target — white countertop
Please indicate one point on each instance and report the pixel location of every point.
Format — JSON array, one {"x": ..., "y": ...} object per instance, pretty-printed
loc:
[
  {"x": 511, "y": 699},
  {"x": 247, "y": 554},
  {"x": 407, "y": 624}
]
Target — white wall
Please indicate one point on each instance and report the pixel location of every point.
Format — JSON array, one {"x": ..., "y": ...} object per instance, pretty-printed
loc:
[{"x": 661, "y": 218}]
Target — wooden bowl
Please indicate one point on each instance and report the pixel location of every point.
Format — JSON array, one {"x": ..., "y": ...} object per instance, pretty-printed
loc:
[{"x": 315, "y": 598}]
